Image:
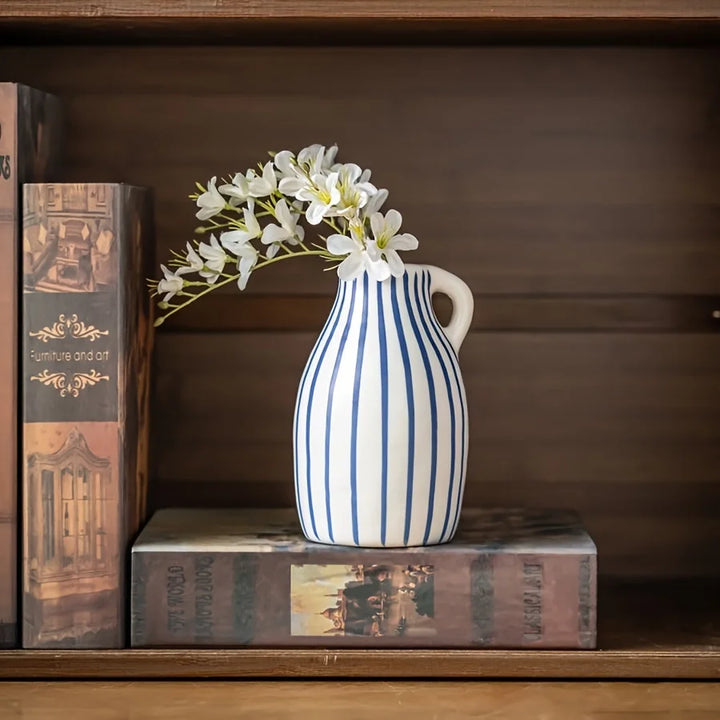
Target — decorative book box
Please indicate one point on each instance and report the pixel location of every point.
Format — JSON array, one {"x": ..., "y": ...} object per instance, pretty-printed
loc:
[
  {"x": 29, "y": 146},
  {"x": 86, "y": 349},
  {"x": 511, "y": 579}
]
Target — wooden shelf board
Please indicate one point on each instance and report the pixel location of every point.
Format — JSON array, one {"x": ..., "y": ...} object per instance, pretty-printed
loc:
[
  {"x": 358, "y": 21},
  {"x": 318, "y": 663},
  {"x": 647, "y": 630},
  {"x": 396, "y": 9}
]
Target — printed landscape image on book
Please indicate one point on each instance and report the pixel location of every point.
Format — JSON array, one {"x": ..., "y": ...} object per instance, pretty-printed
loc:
[{"x": 366, "y": 600}]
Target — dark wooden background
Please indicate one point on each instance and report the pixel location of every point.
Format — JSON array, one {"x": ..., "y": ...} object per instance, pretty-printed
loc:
[{"x": 576, "y": 190}]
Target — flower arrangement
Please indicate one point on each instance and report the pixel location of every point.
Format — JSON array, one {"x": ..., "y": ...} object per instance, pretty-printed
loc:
[{"x": 254, "y": 220}]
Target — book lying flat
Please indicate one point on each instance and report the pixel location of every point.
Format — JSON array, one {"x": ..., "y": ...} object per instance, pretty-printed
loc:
[{"x": 228, "y": 578}]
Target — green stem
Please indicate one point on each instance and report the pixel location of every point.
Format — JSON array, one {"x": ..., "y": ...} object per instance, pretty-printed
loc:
[{"x": 230, "y": 278}]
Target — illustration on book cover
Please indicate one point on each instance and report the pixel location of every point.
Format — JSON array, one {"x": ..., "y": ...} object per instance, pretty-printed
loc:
[
  {"x": 71, "y": 581},
  {"x": 362, "y": 600},
  {"x": 69, "y": 238}
]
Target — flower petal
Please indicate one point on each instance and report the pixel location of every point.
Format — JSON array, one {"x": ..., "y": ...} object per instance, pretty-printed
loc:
[
  {"x": 273, "y": 233},
  {"x": 378, "y": 270},
  {"x": 315, "y": 212},
  {"x": 351, "y": 266},
  {"x": 341, "y": 244},
  {"x": 251, "y": 223},
  {"x": 292, "y": 186},
  {"x": 376, "y": 201},
  {"x": 282, "y": 213},
  {"x": 330, "y": 154},
  {"x": 393, "y": 221},
  {"x": 283, "y": 162},
  {"x": 406, "y": 241},
  {"x": 377, "y": 224},
  {"x": 394, "y": 263}
]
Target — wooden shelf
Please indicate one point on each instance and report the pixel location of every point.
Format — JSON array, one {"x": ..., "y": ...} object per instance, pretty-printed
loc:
[
  {"x": 289, "y": 663},
  {"x": 358, "y": 21},
  {"x": 647, "y": 630}
]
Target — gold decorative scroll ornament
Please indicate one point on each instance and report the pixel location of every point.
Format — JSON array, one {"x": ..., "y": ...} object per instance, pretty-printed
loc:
[
  {"x": 69, "y": 386},
  {"x": 76, "y": 327}
]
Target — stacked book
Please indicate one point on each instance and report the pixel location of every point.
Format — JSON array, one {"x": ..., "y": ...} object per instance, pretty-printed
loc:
[{"x": 510, "y": 579}]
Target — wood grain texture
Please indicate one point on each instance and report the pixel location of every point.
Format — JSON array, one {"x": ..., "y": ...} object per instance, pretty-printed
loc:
[
  {"x": 668, "y": 629},
  {"x": 623, "y": 427},
  {"x": 360, "y": 700},
  {"x": 598, "y": 181},
  {"x": 129, "y": 9},
  {"x": 226, "y": 312}
]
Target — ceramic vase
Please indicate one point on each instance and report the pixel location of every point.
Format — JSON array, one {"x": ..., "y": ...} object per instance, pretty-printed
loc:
[{"x": 381, "y": 421}]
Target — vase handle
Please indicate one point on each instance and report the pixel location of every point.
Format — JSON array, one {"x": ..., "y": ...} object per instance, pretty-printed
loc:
[{"x": 462, "y": 301}]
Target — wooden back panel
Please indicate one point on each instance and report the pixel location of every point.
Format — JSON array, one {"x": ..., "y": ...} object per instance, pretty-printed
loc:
[{"x": 576, "y": 191}]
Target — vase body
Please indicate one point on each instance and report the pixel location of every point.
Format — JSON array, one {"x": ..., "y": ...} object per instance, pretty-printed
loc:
[{"x": 381, "y": 425}]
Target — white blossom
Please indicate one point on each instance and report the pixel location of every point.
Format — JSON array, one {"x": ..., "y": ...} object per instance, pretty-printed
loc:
[
  {"x": 355, "y": 188},
  {"x": 316, "y": 158},
  {"x": 211, "y": 202},
  {"x": 360, "y": 258},
  {"x": 238, "y": 191},
  {"x": 193, "y": 260},
  {"x": 215, "y": 259},
  {"x": 265, "y": 184},
  {"x": 389, "y": 242},
  {"x": 233, "y": 240},
  {"x": 247, "y": 257},
  {"x": 287, "y": 232},
  {"x": 375, "y": 202},
  {"x": 171, "y": 284},
  {"x": 323, "y": 195},
  {"x": 292, "y": 177}
]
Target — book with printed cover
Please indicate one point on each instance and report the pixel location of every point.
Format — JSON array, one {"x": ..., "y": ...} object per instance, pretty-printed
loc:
[
  {"x": 30, "y": 129},
  {"x": 226, "y": 578},
  {"x": 87, "y": 335}
]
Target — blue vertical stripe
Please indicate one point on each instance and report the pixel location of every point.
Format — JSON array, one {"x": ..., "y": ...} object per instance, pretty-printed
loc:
[
  {"x": 384, "y": 409},
  {"x": 424, "y": 303},
  {"x": 332, "y": 325},
  {"x": 355, "y": 409},
  {"x": 454, "y": 366},
  {"x": 411, "y": 405},
  {"x": 328, "y": 415},
  {"x": 433, "y": 404}
]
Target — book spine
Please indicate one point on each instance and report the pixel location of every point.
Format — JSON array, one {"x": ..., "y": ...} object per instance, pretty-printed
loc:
[
  {"x": 346, "y": 599},
  {"x": 86, "y": 335},
  {"x": 29, "y": 144}
]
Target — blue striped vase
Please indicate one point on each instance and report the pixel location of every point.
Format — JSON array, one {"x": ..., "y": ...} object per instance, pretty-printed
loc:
[{"x": 381, "y": 423}]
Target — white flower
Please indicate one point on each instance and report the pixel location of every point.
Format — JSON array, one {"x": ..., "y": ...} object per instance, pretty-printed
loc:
[
  {"x": 233, "y": 240},
  {"x": 238, "y": 191},
  {"x": 355, "y": 188},
  {"x": 284, "y": 162},
  {"x": 292, "y": 178},
  {"x": 194, "y": 262},
  {"x": 316, "y": 158},
  {"x": 247, "y": 257},
  {"x": 359, "y": 258},
  {"x": 263, "y": 185},
  {"x": 375, "y": 202},
  {"x": 211, "y": 202},
  {"x": 215, "y": 259},
  {"x": 389, "y": 242},
  {"x": 288, "y": 231},
  {"x": 323, "y": 196},
  {"x": 170, "y": 284}
]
